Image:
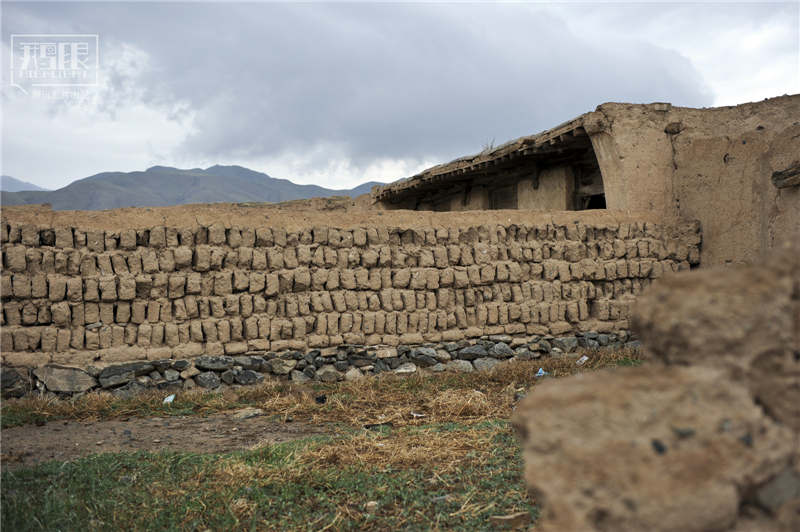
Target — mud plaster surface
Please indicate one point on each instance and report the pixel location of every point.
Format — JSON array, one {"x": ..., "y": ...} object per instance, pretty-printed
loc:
[{"x": 295, "y": 216}]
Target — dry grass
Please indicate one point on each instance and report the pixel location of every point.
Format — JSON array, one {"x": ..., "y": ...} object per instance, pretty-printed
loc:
[
  {"x": 386, "y": 398},
  {"x": 441, "y": 456}
]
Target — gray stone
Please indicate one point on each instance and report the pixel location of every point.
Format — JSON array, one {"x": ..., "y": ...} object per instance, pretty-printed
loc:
[
  {"x": 603, "y": 339},
  {"x": 171, "y": 375},
  {"x": 459, "y": 366},
  {"x": 162, "y": 365},
  {"x": 248, "y": 376},
  {"x": 782, "y": 488},
  {"x": 123, "y": 373},
  {"x": 406, "y": 368},
  {"x": 248, "y": 362},
  {"x": 426, "y": 351},
  {"x": 353, "y": 374},
  {"x": 424, "y": 356},
  {"x": 129, "y": 390},
  {"x": 117, "y": 379},
  {"x": 93, "y": 370},
  {"x": 212, "y": 363},
  {"x": 438, "y": 367},
  {"x": 361, "y": 361},
  {"x": 189, "y": 372},
  {"x": 485, "y": 364},
  {"x": 282, "y": 366},
  {"x": 472, "y": 352},
  {"x": 501, "y": 350},
  {"x": 155, "y": 375},
  {"x": 566, "y": 343},
  {"x": 299, "y": 376},
  {"x": 180, "y": 365},
  {"x": 13, "y": 382},
  {"x": 61, "y": 379},
  {"x": 443, "y": 355},
  {"x": 188, "y": 384},
  {"x": 542, "y": 346},
  {"x": 524, "y": 354},
  {"x": 341, "y": 365},
  {"x": 328, "y": 373},
  {"x": 310, "y": 371},
  {"x": 169, "y": 386},
  {"x": 503, "y": 338},
  {"x": 207, "y": 379},
  {"x": 228, "y": 376}
]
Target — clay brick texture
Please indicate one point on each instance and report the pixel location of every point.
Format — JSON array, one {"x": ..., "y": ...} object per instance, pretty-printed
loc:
[{"x": 77, "y": 297}]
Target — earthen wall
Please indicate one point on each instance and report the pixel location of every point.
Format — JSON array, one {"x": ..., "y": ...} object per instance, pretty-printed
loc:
[{"x": 79, "y": 297}]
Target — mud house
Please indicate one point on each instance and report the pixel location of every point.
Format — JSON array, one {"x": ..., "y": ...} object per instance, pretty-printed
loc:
[
  {"x": 735, "y": 169},
  {"x": 176, "y": 297}
]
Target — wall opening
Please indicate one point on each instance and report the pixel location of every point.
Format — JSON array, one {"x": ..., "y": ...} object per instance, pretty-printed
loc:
[{"x": 589, "y": 190}]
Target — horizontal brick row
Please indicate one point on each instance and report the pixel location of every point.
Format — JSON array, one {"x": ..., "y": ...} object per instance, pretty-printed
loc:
[
  {"x": 235, "y": 237},
  {"x": 237, "y": 290}
]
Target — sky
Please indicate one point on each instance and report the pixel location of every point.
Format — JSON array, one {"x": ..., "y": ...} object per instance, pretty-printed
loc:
[{"x": 337, "y": 94}]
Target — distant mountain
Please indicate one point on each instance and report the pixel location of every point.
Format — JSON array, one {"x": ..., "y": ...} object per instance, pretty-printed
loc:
[
  {"x": 12, "y": 184},
  {"x": 163, "y": 185}
]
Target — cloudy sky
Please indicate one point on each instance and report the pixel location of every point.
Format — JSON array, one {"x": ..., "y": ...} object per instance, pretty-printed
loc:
[{"x": 338, "y": 94}]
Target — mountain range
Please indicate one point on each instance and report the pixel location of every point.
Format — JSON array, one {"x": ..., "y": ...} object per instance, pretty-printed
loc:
[
  {"x": 12, "y": 184},
  {"x": 163, "y": 186}
]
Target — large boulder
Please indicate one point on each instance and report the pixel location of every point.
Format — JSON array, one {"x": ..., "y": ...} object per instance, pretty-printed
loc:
[
  {"x": 64, "y": 379},
  {"x": 652, "y": 448}
]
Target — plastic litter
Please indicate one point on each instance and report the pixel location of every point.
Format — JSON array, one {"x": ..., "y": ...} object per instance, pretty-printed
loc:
[
  {"x": 541, "y": 373},
  {"x": 581, "y": 361},
  {"x": 414, "y": 414},
  {"x": 168, "y": 399}
]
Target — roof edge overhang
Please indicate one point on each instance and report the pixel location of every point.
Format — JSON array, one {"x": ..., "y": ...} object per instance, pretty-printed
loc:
[{"x": 542, "y": 146}]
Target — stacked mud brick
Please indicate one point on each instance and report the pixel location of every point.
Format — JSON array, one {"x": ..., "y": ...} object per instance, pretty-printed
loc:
[{"x": 79, "y": 297}]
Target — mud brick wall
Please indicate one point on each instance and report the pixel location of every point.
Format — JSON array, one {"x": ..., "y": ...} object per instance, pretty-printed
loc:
[{"x": 81, "y": 297}]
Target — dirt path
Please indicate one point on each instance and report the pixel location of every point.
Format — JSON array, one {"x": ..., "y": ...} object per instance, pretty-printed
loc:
[{"x": 66, "y": 440}]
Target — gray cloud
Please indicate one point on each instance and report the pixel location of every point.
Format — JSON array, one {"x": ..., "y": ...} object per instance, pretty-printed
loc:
[{"x": 374, "y": 81}]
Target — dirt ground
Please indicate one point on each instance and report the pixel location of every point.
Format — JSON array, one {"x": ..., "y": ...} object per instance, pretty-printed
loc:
[
  {"x": 293, "y": 215},
  {"x": 67, "y": 440}
]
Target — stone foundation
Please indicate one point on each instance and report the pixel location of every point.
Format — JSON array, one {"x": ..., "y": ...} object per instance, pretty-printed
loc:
[{"x": 344, "y": 362}]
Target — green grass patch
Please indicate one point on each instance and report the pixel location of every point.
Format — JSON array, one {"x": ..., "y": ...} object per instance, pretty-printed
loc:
[{"x": 447, "y": 476}]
